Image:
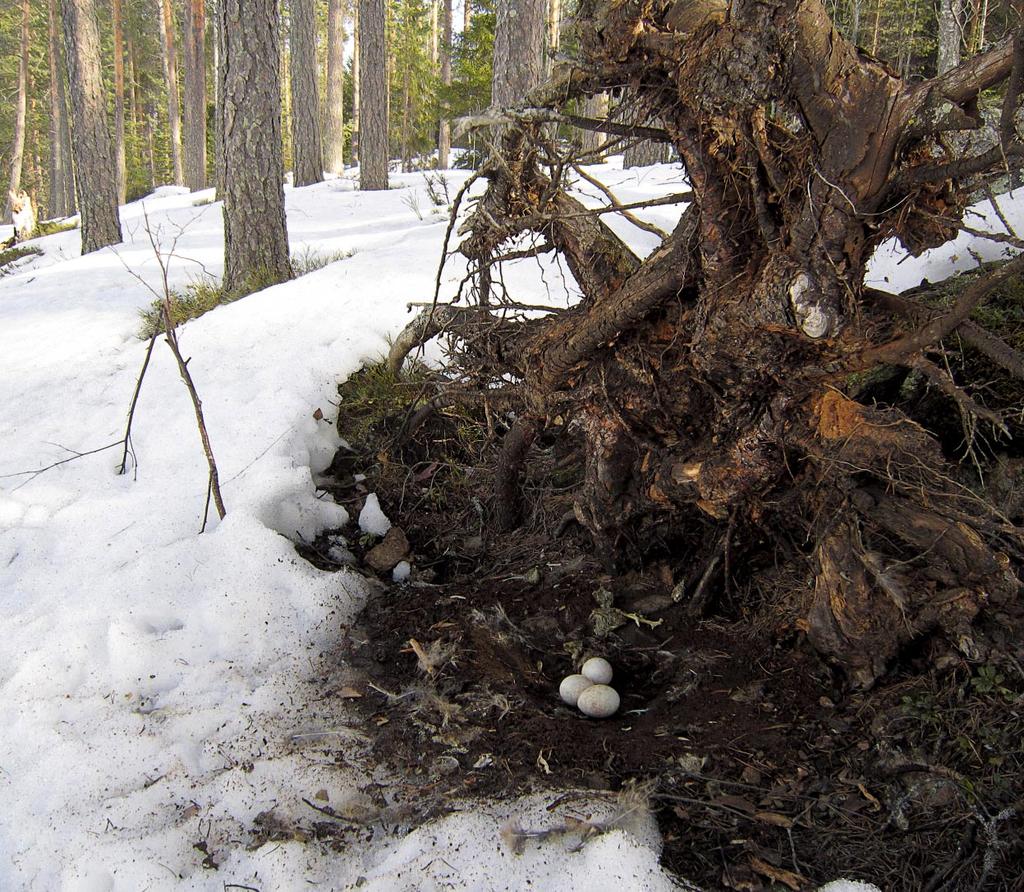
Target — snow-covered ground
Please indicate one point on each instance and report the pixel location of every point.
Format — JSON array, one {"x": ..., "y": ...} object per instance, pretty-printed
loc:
[{"x": 156, "y": 685}]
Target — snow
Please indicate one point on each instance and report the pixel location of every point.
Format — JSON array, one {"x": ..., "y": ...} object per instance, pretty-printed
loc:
[
  {"x": 372, "y": 518},
  {"x": 158, "y": 685}
]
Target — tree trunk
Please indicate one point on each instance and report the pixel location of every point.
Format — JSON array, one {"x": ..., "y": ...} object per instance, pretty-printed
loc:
[
  {"x": 951, "y": 32},
  {"x": 592, "y": 141},
  {"x": 168, "y": 42},
  {"x": 709, "y": 387},
  {"x": 20, "y": 112},
  {"x": 467, "y": 14},
  {"x": 62, "y": 187},
  {"x": 334, "y": 135},
  {"x": 194, "y": 108},
  {"x": 356, "y": 64},
  {"x": 519, "y": 33},
  {"x": 644, "y": 152},
  {"x": 444, "y": 131},
  {"x": 93, "y": 151},
  {"x": 554, "y": 36},
  {"x": 218, "y": 103},
  {"x": 307, "y": 145},
  {"x": 373, "y": 114},
  {"x": 255, "y": 230},
  {"x": 119, "y": 149}
]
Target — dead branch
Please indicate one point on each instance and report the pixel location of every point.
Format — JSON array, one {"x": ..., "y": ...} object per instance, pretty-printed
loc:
[
  {"x": 896, "y": 351},
  {"x": 617, "y": 205},
  {"x": 996, "y": 349},
  {"x": 131, "y": 411},
  {"x": 171, "y": 337},
  {"x": 948, "y": 386},
  {"x": 493, "y": 118}
]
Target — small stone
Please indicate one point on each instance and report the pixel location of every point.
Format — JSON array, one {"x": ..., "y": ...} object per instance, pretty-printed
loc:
[
  {"x": 402, "y": 571},
  {"x": 392, "y": 549}
]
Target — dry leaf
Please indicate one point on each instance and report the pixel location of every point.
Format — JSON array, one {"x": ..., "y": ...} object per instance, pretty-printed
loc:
[
  {"x": 786, "y": 877},
  {"x": 318, "y": 415},
  {"x": 770, "y": 817},
  {"x": 875, "y": 804}
]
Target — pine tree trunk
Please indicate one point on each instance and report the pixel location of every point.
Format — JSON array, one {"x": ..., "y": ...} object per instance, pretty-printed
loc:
[
  {"x": 218, "y": 104},
  {"x": 519, "y": 34},
  {"x": 255, "y": 230},
  {"x": 645, "y": 152},
  {"x": 60, "y": 162},
  {"x": 467, "y": 15},
  {"x": 592, "y": 142},
  {"x": 444, "y": 132},
  {"x": 355, "y": 81},
  {"x": 951, "y": 13},
  {"x": 119, "y": 149},
  {"x": 194, "y": 108},
  {"x": 307, "y": 145},
  {"x": 373, "y": 106},
  {"x": 93, "y": 150},
  {"x": 170, "y": 54},
  {"x": 334, "y": 130},
  {"x": 20, "y": 111}
]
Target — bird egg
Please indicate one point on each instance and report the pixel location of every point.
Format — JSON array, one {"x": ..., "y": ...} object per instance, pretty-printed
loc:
[
  {"x": 598, "y": 670},
  {"x": 571, "y": 688},
  {"x": 599, "y": 701}
]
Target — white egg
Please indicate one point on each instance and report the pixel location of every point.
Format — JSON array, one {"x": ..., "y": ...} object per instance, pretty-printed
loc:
[
  {"x": 598, "y": 670},
  {"x": 599, "y": 701},
  {"x": 572, "y": 686}
]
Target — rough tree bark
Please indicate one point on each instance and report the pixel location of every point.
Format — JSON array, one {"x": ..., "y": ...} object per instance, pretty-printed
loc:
[
  {"x": 168, "y": 42},
  {"x": 373, "y": 98},
  {"x": 334, "y": 128},
  {"x": 951, "y": 33},
  {"x": 519, "y": 34},
  {"x": 119, "y": 149},
  {"x": 194, "y": 106},
  {"x": 92, "y": 148},
  {"x": 62, "y": 183},
  {"x": 710, "y": 383},
  {"x": 307, "y": 144},
  {"x": 355, "y": 80},
  {"x": 255, "y": 230}
]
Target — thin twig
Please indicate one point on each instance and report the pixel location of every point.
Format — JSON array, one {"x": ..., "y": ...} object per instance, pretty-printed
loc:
[{"x": 131, "y": 413}]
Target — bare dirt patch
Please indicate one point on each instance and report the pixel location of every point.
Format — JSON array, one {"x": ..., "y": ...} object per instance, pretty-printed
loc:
[{"x": 765, "y": 771}]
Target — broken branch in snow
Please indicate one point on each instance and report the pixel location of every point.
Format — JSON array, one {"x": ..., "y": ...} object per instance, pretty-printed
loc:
[{"x": 171, "y": 337}]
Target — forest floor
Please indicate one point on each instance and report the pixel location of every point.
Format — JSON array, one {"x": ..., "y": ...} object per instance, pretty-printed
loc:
[{"x": 763, "y": 769}]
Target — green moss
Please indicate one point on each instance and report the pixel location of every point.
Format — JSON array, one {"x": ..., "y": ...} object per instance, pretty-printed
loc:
[
  {"x": 52, "y": 227},
  {"x": 11, "y": 255}
]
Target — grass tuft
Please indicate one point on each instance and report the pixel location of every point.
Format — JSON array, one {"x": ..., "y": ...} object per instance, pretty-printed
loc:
[
  {"x": 203, "y": 295},
  {"x": 190, "y": 302}
]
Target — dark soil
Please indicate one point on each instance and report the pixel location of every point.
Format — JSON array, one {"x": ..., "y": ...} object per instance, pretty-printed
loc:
[{"x": 765, "y": 773}]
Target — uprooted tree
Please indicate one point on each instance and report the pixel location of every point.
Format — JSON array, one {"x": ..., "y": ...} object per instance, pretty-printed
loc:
[{"x": 708, "y": 386}]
